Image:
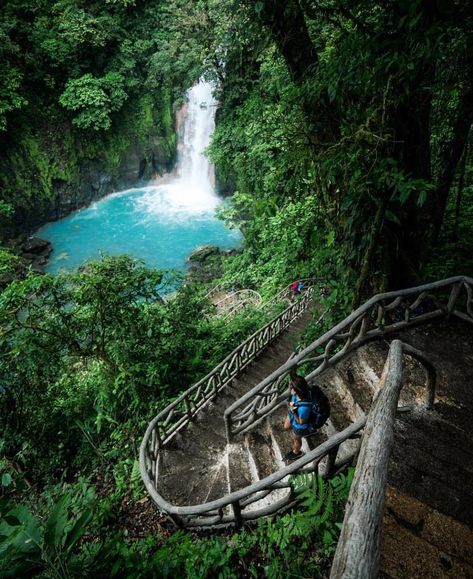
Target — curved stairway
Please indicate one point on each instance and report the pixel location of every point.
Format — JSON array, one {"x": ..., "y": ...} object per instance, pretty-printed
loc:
[
  {"x": 202, "y": 479},
  {"x": 199, "y": 466}
]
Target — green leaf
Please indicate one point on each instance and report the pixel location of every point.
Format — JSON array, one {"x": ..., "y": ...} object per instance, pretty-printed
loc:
[
  {"x": 422, "y": 198},
  {"x": 6, "y": 479},
  {"x": 54, "y": 533},
  {"x": 77, "y": 531},
  {"x": 391, "y": 217}
]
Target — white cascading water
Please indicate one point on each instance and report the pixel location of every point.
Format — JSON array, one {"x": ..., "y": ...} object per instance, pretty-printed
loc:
[
  {"x": 190, "y": 190},
  {"x": 193, "y": 167}
]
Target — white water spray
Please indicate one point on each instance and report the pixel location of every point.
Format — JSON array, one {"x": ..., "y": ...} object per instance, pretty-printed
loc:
[{"x": 190, "y": 190}]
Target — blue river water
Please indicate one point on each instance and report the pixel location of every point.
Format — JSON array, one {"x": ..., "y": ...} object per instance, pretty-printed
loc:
[{"x": 161, "y": 225}]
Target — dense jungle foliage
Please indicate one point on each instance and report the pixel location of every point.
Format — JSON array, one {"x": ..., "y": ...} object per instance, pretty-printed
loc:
[
  {"x": 79, "y": 87},
  {"x": 343, "y": 132}
]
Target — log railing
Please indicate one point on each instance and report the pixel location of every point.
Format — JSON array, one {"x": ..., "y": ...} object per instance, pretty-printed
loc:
[
  {"x": 232, "y": 303},
  {"x": 358, "y": 549},
  {"x": 242, "y": 505},
  {"x": 382, "y": 314}
]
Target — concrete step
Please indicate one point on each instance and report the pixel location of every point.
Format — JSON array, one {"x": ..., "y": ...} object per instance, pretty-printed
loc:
[
  {"x": 453, "y": 459},
  {"x": 207, "y": 430},
  {"x": 290, "y": 341},
  {"x": 239, "y": 469},
  {"x": 260, "y": 447},
  {"x": 281, "y": 439},
  {"x": 190, "y": 478},
  {"x": 435, "y": 427},
  {"x": 257, "y": 374},
  {"x": 418, "y": 541},
  {"x": 344, "y": 410},
  {"x": 279, "y": 354},
  {"x": 417, "y": 469}
]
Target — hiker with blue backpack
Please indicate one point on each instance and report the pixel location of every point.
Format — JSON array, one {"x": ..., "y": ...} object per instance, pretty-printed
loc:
[{"x": 308, "y": 411}]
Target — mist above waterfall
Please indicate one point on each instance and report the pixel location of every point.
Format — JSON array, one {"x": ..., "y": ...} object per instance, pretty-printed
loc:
[{"x": 161, "y": 223}]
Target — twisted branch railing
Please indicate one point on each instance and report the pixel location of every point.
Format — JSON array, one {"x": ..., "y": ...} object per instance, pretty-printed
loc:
[
  {"x": 232, "y": 303},
  {"x": 187, "y": 405},
  {"x": 382, "y": 314},
  {"x": 242, "y": 505}
]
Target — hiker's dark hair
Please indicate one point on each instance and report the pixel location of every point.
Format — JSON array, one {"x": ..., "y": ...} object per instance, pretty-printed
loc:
[{"x": 300, "y": 385}]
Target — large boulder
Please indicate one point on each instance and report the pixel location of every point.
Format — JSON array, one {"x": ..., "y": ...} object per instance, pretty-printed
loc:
[
  {"x": 33, "y": 251},
  {"x": 203, "y": 252}
]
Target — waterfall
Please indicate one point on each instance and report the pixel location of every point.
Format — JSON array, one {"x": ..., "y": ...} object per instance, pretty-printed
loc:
[
  {"x": 162, "y": 223},
  {"x": 189, "y": 191},
  {"x": 193, "y": 167}
]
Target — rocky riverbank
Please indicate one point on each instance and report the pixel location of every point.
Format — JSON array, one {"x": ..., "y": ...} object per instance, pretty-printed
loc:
[
  {"x": 206, "y": 262},
  {"x": 33, "y": 251}
]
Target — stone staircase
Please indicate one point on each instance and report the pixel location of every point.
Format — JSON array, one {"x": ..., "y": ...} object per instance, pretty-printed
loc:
[
  {"x": 430, "y": 492},
  {"x": 198, "y": 466},
  {"x": 427, "y": 529},
  {"x": 431, "y": 469}
]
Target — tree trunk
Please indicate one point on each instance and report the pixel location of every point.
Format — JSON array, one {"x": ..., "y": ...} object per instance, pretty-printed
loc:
[
  {"x": 411, "y": 136},
  {"x": 288, "y": 28},
  {"x": 461, "y": 182}
]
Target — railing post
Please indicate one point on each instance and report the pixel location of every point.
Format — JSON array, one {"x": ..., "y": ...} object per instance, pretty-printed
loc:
[
  {"x": 228, "y": 427},
  {"x": 332, "y": 457},
  {"x": 453, "y": 297},
  {"x": 431, "y": 374},
  {"x": 358, "y": 548},
  {"x": 178, "y": 522},
  {"x": 237, "y": 514},
  {"x": 188, "y": 408}
]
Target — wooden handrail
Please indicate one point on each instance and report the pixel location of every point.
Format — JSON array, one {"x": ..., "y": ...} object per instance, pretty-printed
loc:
[
  {"x": 366, "y": 323},
  {"x": 316, "y": 455},
  {"x": 240, "y": 299},
  {"x": 358, "y": 549},
  {"x": 185, "y": 406},
  {"x": 352, "y": 332}
]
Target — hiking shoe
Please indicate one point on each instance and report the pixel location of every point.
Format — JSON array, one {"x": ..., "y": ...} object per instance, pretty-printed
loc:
[{"x": 292, "y": 455}]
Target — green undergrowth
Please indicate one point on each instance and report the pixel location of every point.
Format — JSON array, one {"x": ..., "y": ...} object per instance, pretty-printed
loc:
[
  {"x": 70, "y": 533},
  {"x": 94, "y": 355}
]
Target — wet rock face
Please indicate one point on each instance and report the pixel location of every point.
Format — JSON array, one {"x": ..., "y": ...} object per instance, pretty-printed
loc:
[
  {"x": 203, "y": 252},
  {"x": 33, "y": 251},
  {"x": 206, "y": 262},
  {"x": 138, "y": 165},
  {"x": 92, "y": 184}
]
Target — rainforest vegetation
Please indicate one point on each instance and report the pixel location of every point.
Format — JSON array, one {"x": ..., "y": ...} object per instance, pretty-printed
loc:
[{"x": 342, "y": 134}]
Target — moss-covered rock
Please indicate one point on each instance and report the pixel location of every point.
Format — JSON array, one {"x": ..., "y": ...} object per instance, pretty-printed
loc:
[{"x": 48, "y": 171}]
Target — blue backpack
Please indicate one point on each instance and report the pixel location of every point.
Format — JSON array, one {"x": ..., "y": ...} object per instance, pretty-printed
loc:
[{"x": 320, "y": 408}]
